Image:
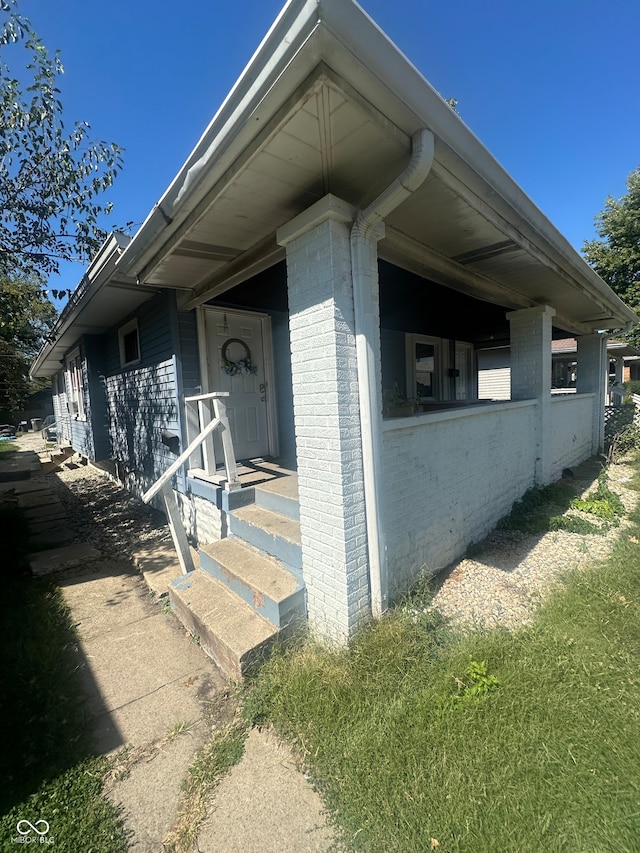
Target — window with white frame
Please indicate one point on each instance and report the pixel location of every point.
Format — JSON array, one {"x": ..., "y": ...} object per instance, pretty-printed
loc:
[
  {"x": 424, "y": 369},
  {"x": 129, "y": 342},
  {"x": 75, "y": 387},
  {"x": 439, "y": 370}
]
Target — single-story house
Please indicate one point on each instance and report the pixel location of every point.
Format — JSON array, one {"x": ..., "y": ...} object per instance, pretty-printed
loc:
[{"x": 337, "y": 246}]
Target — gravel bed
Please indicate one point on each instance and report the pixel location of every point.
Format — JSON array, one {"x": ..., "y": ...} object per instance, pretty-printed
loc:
[
  {"x": 102, "y": 513},
  {"x": 514, "y": 572}
]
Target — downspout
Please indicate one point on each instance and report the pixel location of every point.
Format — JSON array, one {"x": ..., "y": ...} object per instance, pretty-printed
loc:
[{"x": 368, "y": 226}]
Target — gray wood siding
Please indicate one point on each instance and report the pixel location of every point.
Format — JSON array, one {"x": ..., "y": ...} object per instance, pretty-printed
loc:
[
  {"x": 96, "y": 401},
  {"x": 142, "y": 403},
  {"x": 142, "y": 399},
  {"x": 155, "y": 332},
  {"x": 283, "y": 389},
  {"x": 189, "y": 361}
]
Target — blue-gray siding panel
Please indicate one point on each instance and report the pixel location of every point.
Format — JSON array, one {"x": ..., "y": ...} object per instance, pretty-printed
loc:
[
  {"x": 96, "y": 403},
  {"x": 142, "y": 403},
  {"x": 189, "y": 360},
  {"x": 155, "y": 332},
  {"x": 283, "y": 390}
]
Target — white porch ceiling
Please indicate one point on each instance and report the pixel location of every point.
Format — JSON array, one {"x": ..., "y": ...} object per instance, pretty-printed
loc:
[{"x": 329, "y": 105}]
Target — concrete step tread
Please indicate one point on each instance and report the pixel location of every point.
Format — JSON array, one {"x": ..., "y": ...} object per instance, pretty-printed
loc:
[
  {"x": 271, "y": 522},
  {"x": 287, "y": 487},
  {"x": 262, "y": 573},
  {"x": 222, "y": 612}
]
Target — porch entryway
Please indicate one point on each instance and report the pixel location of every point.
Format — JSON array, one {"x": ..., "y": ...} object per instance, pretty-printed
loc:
[{"x": 237, "y": 361}]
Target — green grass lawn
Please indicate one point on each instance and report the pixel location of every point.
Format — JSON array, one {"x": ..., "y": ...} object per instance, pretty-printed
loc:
[
  {"x": 500, "y": 742},
  {"x": 47, "y": 768}
]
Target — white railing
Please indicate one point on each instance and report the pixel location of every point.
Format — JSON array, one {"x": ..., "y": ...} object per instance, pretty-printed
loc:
[
  {"x": 201, "y": 411},
  {"x": 212, "y": 415}
]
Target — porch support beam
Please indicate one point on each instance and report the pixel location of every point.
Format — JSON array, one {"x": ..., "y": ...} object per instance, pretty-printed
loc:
[
  {"x": 327, "y": 417},
  {"x": 592, "y": 379},
  {"x": 531, "y": 334}
]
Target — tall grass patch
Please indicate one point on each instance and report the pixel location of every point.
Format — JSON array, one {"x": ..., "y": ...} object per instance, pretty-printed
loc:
[{"x": 544, "y": 755}]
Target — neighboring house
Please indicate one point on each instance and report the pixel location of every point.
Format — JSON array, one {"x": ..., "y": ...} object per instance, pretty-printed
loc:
[
  {"x": 337, "y": 230},
  {"x": 494, "y": 369},
  {"x": 37, "y": 406}
]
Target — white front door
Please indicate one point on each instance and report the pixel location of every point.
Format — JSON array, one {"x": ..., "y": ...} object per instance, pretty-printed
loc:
[{"x": 236, "y": 363}]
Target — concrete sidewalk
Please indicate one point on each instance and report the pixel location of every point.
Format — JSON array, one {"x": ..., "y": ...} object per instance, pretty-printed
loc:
[{"x": 156, "y": 699}]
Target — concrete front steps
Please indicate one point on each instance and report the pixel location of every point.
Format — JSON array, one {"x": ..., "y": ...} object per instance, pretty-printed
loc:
[
  {"x": 249, "y": 587},
  {"x": 53, "y": 459}
]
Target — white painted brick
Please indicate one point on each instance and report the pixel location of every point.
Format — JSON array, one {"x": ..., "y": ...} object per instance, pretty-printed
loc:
[{"x": 328, "y": 442}]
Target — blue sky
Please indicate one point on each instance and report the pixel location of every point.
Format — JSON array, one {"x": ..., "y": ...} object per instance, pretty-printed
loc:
[{"x": 550, "y": 87}]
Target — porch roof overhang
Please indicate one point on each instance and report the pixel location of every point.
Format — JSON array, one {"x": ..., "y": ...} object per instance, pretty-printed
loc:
[
  {"x": 102, "y": 298},
  {"x": 329, "y": 104}
]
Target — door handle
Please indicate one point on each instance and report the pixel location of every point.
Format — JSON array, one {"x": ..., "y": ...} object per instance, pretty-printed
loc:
[{"x": 263, "y": 390}]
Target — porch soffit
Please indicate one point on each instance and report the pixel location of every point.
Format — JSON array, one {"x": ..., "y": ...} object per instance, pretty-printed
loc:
[
  {"x": 325, "y": 139},
  {"x": 100, "y": 311},
  {"x": 329, "y": 139}
]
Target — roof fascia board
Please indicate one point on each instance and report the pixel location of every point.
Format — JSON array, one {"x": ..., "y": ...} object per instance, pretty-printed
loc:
[
  {"x": 98, "y": 274},
  {"x": 229, "y": 131}
]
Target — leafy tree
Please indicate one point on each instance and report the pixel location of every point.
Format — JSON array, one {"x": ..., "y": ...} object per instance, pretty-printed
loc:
[
  {"x": 616, "y": 256},
  {"x": 26, "y": 317},
  {"x": 50, "y": 178}
]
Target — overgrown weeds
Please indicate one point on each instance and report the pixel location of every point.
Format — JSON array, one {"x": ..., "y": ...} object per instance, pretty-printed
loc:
[
  {"x": 624, "y": 442},
  {"x": 556, "y": 507}
]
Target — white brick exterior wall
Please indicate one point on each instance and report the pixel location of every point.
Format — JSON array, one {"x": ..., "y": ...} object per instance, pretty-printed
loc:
[
  {"x": 593, "y": 371},
  {"x": 449, "y": 477},
  {"x": 571, "y": 436},
  {"x": 327, "y": 425},
  {"x": 531, "y": 334},
  {"x": 203, "y": 521}
]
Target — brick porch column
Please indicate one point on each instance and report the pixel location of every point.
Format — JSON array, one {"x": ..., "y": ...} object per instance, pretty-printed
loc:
[
  {"x": 593, "y": 369},
  {"x": 327, "y": 417},
  {"x": 531, "y": 334}
]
